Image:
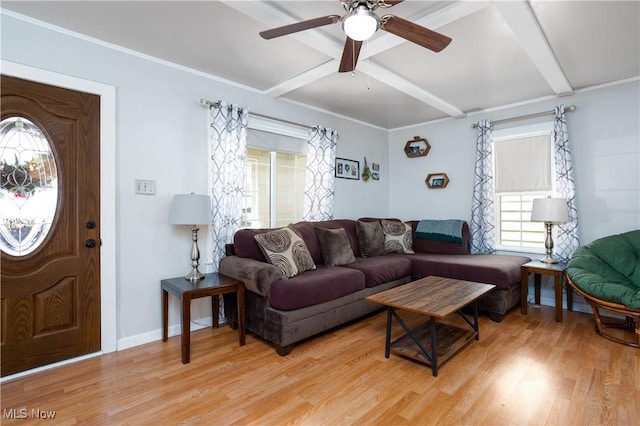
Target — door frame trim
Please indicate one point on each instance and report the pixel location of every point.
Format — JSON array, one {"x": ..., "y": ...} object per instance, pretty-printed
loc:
[{"x": 107, "y": 93}]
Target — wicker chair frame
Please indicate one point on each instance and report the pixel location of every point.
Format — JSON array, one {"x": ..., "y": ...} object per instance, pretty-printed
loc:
[{"x": 631, "y": 321}]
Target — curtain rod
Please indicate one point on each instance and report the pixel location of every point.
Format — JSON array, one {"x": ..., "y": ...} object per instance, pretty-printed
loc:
[
  {"x": 207, "y": 103},
  {"x": 570, "y": 108}
]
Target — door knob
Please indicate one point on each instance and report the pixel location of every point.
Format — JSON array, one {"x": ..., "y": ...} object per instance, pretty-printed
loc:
[
  {"x": 91, "y": 224},
  {"x": 90, "y": 243}
]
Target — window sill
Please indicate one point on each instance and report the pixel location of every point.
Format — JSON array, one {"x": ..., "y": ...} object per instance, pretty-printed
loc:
[{"x": 532, "y": 253}]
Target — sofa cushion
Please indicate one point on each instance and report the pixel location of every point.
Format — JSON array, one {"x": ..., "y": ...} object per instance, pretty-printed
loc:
[
  {"x": 397, "y": 237},
  {"x": 370, "y": 238},
  {"x": 307, "y": 230},
  {"x": 315, "y": 287},
  {"x": 382, "y": 269},
  {"x": 501, "y": 270},
  {"x": 285, "y": 249},
  {"x": 335, "y": 247}
]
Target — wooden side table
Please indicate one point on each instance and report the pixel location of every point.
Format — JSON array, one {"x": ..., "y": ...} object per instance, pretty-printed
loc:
[
  {"x": 212, "y": 285},
  {"x": 538, "y": 269}
]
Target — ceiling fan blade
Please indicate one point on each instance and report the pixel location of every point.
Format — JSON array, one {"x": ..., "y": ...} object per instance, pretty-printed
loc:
[
  {"x": 299, "y": 26},
  {"x": 414, "y": 33},
  {"x": 388, "y": 3},
  {"x": 350, "y": 55}
]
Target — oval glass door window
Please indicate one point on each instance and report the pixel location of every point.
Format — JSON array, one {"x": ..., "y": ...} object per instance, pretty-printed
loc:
[{"x": 28, "y": 186}]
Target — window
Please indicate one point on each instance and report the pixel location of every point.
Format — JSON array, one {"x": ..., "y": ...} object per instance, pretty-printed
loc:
[
  {"x": 515, "y": 228},
  {"x": 28, "y": 186},
  {"x": 524, "y": 170},
  {"x": 275, "y": 175},
  {"x": 274, "y": 188}
]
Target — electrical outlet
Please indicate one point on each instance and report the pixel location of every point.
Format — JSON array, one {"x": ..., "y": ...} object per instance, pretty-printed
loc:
[{"x": 145, "y": 187}]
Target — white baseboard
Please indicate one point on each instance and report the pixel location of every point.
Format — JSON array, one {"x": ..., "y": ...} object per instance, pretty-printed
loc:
[
  {"x": 155, "y": 335},
  {"x": 577, "y": 306}
]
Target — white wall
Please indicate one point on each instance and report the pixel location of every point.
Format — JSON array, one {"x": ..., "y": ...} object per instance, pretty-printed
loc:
[
  {"x": 161, "y": 135},
  {"x": 605, "y": 141}
]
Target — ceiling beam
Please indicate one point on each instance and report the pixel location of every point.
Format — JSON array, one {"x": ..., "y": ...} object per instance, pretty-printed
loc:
[
  {"x": 303, "y": 79},
  {"x": 391, "y": 79},
  {"x": 524, "y": 25}
]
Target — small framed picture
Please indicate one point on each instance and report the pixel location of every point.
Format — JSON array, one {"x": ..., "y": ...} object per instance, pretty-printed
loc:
[
  {"x": 347, "y": 169},
  {"x": 375, "y": 167},
  {"x": 437, "y": 180},
  {"x": 375, "y": 176},
  {"x": 414, "y": 151}
]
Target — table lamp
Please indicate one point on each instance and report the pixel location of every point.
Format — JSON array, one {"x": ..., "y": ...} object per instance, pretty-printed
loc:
[
  {"x": 192, "y": 209},
  {"x": 551, "y": 211}
]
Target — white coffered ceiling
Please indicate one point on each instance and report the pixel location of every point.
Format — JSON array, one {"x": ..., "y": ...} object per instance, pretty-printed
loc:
[{"x": 503, "y": 52}]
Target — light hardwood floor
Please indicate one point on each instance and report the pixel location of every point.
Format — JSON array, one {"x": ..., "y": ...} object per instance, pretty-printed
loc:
[{"x": 525, "y": 370}]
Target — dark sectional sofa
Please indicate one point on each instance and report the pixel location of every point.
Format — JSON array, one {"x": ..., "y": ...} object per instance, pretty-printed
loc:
[{"x": 284, "y": 311}]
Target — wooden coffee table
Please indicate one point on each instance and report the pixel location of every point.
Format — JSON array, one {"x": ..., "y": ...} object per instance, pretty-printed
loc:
[{"x": 435, "y": 297}]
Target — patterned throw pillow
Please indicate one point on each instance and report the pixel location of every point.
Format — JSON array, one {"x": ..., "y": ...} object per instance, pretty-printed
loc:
[
  {"x": 286, "y": 250},
  {"x": 397, "y": 237}
]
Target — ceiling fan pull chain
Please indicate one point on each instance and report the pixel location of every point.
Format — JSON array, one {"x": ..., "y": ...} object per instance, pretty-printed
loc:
[{"x": 353, "y": 58}]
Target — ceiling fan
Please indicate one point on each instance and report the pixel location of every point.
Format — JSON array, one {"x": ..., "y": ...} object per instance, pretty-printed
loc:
[{"x": 359, "y": 23}]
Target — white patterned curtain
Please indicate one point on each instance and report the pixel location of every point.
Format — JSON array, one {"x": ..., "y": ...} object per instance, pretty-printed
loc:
[
  {"x": 566, "y": 240},
  {"x": 228, "y": 147},
  {"x": 482, "y": 226},
  {"x": 320, "y": 176}
]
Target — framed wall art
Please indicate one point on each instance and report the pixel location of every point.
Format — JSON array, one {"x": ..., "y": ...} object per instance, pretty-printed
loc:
[
  {"x": 347, "y": 169},
  {"x": 375, "y": 168}
]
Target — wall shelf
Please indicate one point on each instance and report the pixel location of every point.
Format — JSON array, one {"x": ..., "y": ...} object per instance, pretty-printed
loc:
[
  {"x": 437, "y": 180},
  {"x": 418, "y": 147}
]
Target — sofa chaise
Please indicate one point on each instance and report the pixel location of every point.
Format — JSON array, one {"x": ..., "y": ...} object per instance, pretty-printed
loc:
[{"x": 334, "y": 265}]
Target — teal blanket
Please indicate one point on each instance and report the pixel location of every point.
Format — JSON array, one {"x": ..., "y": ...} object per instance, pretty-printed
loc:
[{"x": 449, "y": 230}]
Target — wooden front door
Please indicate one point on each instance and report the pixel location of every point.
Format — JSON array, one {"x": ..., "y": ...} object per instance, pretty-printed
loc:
[{"x": 50, "y": 290}]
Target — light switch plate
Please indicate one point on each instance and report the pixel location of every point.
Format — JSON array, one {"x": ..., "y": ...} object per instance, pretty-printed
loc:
[{"x": 145, "y": 187}]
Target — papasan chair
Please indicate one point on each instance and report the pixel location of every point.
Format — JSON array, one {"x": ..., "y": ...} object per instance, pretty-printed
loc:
[{"x": 606, "y": 272}]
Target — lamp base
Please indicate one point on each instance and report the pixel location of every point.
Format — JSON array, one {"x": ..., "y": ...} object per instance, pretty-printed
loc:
[
  {"x": 194, "y": 275},
  {"x": 548, "y": 259},
  {"x": 548, "y": 245}
]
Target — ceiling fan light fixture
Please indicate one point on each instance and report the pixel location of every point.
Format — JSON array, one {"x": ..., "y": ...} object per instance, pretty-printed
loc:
[{"x": 360, "y": 23}]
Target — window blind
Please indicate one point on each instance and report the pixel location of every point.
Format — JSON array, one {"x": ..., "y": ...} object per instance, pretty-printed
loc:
[
  {"x": 275, "y": 142},
  {"x": 523, "y": 164}
]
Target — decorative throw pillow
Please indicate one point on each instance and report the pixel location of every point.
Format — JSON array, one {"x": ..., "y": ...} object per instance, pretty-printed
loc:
[
  {"x": 286, "y": 250},
  {"x": 397, "y": 237},
  {"x": 335, "y": 247},
  {"x": 370, "y": 238}
]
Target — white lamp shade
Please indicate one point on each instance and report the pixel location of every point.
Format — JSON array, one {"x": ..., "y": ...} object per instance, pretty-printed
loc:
[
  {"x": 360, "y": 24},
  {"x": 551, "y": 210},
  {"x": 190, "y": 209}
]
